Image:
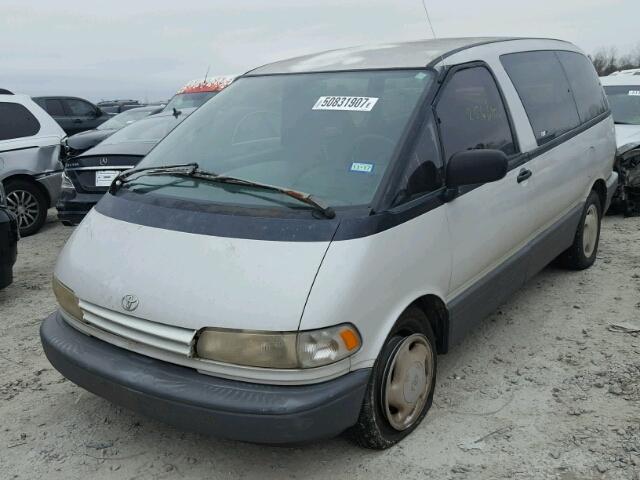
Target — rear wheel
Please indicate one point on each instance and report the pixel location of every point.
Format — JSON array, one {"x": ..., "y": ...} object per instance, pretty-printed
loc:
[
  {"x": 400, "y": 390},
  {"x": 582, "y": 253},
  {"x": 27, "y": 202}
]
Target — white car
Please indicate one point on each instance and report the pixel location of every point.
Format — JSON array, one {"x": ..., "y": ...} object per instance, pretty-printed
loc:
[
  {"x": 623, "y": 92},
  {"x": 30, "y": 167},
  {"x": 288, "y": 262}
]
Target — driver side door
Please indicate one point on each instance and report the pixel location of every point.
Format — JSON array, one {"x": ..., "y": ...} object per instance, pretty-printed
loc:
[{"x": 489, "y": 223}]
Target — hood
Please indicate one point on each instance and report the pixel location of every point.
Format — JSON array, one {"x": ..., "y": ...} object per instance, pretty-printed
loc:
[
  {"x": 124, "y": 148},
  {"x": 87, "y": 139},
  {"x": 190, "y": 280},
  {"x": 627, "y": 137}
]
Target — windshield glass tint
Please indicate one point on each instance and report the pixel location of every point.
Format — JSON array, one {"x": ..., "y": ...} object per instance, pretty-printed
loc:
[
  {"x": 189, "y": 100},
  {"x": 331, "y": 135},
  {"x": 625, "y": 103},
  {"x": 123, "y": 119},
  {"x": 152, "y": 129}
]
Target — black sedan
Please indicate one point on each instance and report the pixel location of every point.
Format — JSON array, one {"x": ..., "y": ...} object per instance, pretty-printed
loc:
[
  {"x": 8, "y": 242},
  {"x": 88, "y": 176},
  {"x": 80, "y": 142}
]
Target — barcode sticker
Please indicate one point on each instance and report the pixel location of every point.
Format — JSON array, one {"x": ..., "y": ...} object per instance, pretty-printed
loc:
[{"x": 352, "y": 104}]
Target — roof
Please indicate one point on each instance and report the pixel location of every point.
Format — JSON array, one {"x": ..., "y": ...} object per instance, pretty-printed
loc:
[{"x": 417, "y": 54}]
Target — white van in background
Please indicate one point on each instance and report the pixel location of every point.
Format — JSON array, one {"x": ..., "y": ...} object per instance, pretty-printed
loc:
[
  {"x": 288, "y": 262},
  {"x": 30, "y": 167}
]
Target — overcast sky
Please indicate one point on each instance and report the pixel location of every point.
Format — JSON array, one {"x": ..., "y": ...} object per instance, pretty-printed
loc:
[{"x": 148, "y": 48}]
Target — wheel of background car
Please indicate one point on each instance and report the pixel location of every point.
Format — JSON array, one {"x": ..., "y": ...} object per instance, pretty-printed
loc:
[
  {"x": 401, "y": 386},
  {"x": 582, "y": 253},
  {"x": 27, "y": 202}
]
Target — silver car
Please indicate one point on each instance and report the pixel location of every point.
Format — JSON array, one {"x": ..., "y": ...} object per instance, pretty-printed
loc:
[{"x": 30, "y": 169}]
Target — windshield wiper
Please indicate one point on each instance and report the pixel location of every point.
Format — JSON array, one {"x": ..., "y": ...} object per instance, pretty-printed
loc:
[
  {"x": 617, "y": 122},
  {"x": 192, "y": 170}
]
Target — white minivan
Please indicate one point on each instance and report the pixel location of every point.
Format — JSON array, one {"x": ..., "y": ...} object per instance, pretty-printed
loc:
[{"x": 289, "y": 261}]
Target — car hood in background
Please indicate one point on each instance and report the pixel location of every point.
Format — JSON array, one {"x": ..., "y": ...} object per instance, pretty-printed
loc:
[
  {"x": 90, "y": 138},
  {"x": 627, "y": 137},
  {"x": 190, "y": 280}
]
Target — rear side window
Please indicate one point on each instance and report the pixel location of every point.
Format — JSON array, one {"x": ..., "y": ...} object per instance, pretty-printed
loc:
[
  {"x": 542, "y": 85},
  {"x": 79, "y": 108},
  {"x": 16, "y": 121},
  {"x": 472, "y": 115},
  {"x": 585, "y": 85},
  {"x": 54, "y": 107}
]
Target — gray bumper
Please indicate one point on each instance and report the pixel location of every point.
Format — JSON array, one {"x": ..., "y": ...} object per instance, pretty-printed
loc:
[
  {"x": 190, "y": 400},
  {"x": 612, "y": 186}
]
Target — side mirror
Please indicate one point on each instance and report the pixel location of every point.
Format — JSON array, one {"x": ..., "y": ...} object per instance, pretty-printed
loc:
[
  {"x": 471, "y": 167},
  {"x": 98, "y": 112}
]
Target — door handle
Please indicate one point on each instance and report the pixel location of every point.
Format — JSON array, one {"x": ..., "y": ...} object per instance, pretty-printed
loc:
[{"x": 524, "y": 174}]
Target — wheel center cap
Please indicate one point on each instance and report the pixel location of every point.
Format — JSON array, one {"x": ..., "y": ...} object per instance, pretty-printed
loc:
[
  {"x": 414, "y": 382},
  {"x": 21, "y": 209}
]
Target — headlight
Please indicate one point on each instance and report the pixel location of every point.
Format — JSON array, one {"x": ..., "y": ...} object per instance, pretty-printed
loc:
[
  {"x": 307, "y": 349},
  {"x": 67, "y": 299},
  {"x": 67, "y": 184}
]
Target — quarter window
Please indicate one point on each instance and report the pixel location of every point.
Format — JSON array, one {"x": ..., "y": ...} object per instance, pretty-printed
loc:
[
  {"x": 16, "y": 121},
  {"x": 472, "y": 115},
  {"x": 585, "y": 85},
  {"x": 542, "y": 85}
]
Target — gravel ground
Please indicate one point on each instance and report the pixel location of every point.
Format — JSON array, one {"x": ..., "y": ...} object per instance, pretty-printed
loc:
[{"x": 544, "y": 389}]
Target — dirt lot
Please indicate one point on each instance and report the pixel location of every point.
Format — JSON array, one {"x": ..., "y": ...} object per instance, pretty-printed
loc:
[{"x": 542, "y": 389}]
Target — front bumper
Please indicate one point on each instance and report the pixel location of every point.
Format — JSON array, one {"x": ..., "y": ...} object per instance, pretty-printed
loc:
[
  {"x": 193, "y": 401},
  {"x": 612, "y": 186},
  {"x": 73, "y": 207},
  {"x": 8, "y": 246}
]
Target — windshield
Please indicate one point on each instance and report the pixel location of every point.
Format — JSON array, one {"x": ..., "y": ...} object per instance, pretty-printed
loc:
[
  {"x": 123, "y": 119},
  {"x": 625, "y": 103},
  {"x": 189, "y": 100},
  {"x": 150, "y": 129},
  {"x": 331, "y": 135}
]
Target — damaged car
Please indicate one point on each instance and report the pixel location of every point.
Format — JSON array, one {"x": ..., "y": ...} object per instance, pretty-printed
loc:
[{"x": 623, "y": 92}]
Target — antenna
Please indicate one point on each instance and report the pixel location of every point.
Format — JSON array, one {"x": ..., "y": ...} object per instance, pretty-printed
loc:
[
  {"x": 207, "y": 74},
  {"x": 426, "y": 11}
]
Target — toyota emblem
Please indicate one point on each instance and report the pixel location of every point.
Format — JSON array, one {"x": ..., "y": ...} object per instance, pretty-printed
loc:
[{"x": 130, "y": 302}]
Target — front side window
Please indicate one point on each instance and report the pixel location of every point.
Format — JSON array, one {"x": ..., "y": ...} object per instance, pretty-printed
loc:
[
  {"x": 625, "y": 103},
  {"x": 585, "y": 85},
  {"x": 542, "y": 85},
  {"x": 331, "y": 135},
  {"x": 471, "y": 114},
  {"x": 16, "y": 121}
]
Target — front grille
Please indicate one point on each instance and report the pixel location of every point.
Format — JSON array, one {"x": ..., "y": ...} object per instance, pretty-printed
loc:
[{"x": 164, "y": 337}]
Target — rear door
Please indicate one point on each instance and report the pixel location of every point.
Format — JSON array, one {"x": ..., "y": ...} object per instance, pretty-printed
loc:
[
  {"x": 82, "y": 115},
  {"x": 488, "y": 223},
  {"x": 55, "y": 108}
]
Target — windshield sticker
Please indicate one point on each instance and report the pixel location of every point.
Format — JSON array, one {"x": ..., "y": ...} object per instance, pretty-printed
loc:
[
  {"x": 634, "y": 93},
  {"x": 351, "y": 104},
  {"x": 361, "y": 167}
]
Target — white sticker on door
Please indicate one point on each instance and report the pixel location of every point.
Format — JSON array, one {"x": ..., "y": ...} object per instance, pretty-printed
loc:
[{"x": 351, "y": 104}]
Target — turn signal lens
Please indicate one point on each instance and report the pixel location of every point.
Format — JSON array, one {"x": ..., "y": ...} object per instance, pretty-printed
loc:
[
  {"x": 67, "y": 299},
  {"x": 307, "y": 349},
  {"x": 67, "y": 184}
]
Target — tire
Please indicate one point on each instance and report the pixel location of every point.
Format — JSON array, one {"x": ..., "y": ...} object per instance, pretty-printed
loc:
[
  {"x": 378, "y": 427},
  {"x": 28, "y": 203},
  {"x": 582, "y": 253}
]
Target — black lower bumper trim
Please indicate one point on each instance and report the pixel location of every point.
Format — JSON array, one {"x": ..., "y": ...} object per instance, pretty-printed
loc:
[{"x": 193, "y": 401}]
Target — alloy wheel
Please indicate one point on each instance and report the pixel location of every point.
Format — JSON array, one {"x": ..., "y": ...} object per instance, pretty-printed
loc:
[{"x": 23, "y": 205}]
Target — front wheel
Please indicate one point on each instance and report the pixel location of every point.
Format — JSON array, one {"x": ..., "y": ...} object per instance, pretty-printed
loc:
[
  {"x": 582, "y": 253},
  {"x": 401, "y": 387}
]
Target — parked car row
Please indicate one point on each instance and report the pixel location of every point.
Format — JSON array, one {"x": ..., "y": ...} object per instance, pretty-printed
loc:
[{"x": 288, "y": 261}]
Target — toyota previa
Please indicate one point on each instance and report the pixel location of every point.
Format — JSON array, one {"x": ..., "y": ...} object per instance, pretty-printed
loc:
[{"x": 289, "y": 261}]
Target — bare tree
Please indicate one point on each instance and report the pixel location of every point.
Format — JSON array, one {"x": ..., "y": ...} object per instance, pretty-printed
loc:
[{"x": 607, "y": 61}]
